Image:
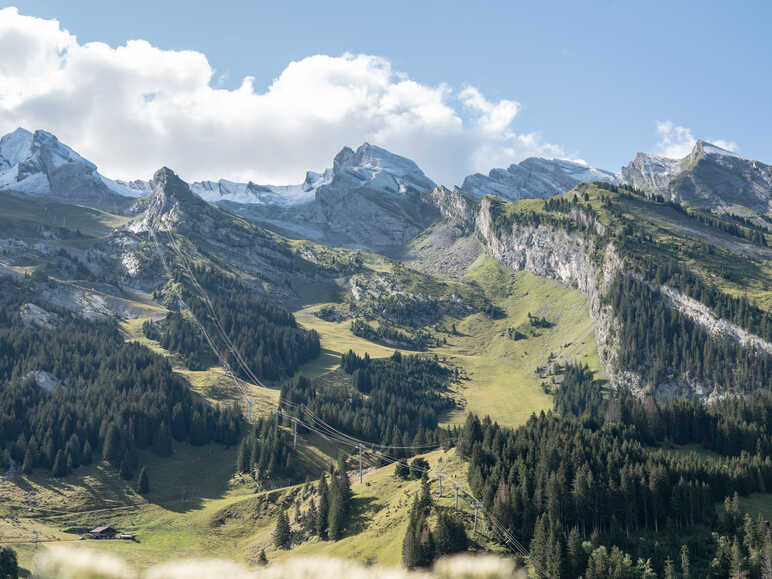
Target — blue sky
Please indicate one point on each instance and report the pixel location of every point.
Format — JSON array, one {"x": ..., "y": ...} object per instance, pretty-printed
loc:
[{"x": 590, "y": 78}]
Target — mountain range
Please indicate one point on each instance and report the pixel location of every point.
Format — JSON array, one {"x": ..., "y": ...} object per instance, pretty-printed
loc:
[
  {"x": 386, "y": 188},
  {"x": 176, "y": 317}
]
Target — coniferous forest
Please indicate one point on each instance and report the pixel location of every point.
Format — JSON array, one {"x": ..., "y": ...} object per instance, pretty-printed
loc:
[
  {"x": 265, "y": 335},
  {"x": 597, "y": 487},
  {"x": 113, "y": 397},
  {"x": 392, "y": 401}
]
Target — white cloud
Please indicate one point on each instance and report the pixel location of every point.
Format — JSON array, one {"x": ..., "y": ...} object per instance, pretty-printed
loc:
[
  {"x": 676, "y": 142},
  {"x": 136, "y": 107}
]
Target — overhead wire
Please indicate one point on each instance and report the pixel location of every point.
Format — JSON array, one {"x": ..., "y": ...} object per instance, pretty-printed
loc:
[{"x": 323, "y": 428}]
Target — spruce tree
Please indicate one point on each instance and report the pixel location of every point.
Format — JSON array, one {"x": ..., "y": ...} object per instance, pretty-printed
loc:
[
  {"x": 425, "y": 502},
  {"x": 129, "y": 464},
  {"x": 143, "y": 482},
  {"x": 669, "y": 572},
  {"x": 60, "y": 464},
  {"x": 111, "y": 451},
  {"x": 409, "y": 547},
  {"x": 450, "y": 535},
  {"x": 29, "y": 461},
  {"x": 162, "y": 441},
  {"x": 86, "y": 456},
  {"x": 281, "y": 534},
  {"x": 576, "y": 555},
  {"x": 684, "y": 562},
  {"x": 335, "y": 519},
  {"x": 9, "y": 564},
  {"x": 322, "y": 516}
]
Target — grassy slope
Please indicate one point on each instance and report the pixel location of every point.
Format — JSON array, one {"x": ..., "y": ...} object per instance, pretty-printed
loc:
[
  {"x": 192, "y": 512},
  {"x": 214, "y": 384},
  {"x": 502, "y": 380},
  {"x": 49, "y": 213},
  {"x": 734, "y": 265}
]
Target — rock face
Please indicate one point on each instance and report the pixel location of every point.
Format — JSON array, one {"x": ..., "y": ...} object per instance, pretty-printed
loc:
[
  {"x": 534, "y": 177},
  {"x": 37, "y": 164},
  {"x": 708, "y": 177},
  {"x": 172, "y": 208},
  {"x": 568, "y": 256},
  {"x": 371, "y": 198}
]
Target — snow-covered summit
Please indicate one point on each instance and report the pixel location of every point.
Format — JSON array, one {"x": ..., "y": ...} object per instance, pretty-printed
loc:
[
  {"x": 39, "y": 164},
  {"x": 534, "y": 177},
  {"x": 369, "y": 166},
  {"x": 376, "y": 168},
  {"x": 252, "y": 193}
]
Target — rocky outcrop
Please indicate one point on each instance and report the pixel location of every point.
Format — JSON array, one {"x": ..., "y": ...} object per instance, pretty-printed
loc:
[
  {"x": 455, "y": 205},
  {"x": 33, "y": 316},
  {"x": 575, "y": 259},
  {"x": 706, "y": 318},
  {"x": 708, "y": 176}
]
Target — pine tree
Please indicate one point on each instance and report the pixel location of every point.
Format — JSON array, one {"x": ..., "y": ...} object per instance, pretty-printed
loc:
[
  {"x": 29, "y": 461},
  {"x": 409, "y": 547},
  {"x": 162, "y": 441},
  {"x": 323, "y": 513},
  {"x": 143, "y": 482},
  {"x": 60, "y": 464},
  {"x": 262, "y": 559},
  {"x": 281, "y": 534},
  {"x": 129, "y": 464},
  {"x": 9, "y": 564},
  {"x": 576, "y": 555},
  {"x": 111, "y": 451},
  {"x": 684, "y": 562}
]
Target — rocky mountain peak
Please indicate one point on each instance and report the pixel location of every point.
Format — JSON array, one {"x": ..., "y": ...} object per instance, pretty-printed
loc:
[
  {"x": 377, "y": 169},
  {"x": 14, "y": 148},
  {"x": 534, "y": 177},
  {"x": 343, "y": 159},
  {"x": 170, "y": 205},
  {"x": 38, "y": 164},
  {"x": 709, "y": 176}
]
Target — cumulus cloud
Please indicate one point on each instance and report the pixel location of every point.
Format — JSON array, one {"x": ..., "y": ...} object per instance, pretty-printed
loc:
[
  {"x": 676, "y": 142},
  {"x": 136, "y": 107}
]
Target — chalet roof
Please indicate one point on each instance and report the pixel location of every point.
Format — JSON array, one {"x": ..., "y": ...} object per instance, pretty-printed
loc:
[{"x": 102, "y": 529}]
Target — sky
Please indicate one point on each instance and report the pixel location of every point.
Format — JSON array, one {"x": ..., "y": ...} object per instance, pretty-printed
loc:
[{"x": 267, "y": 90}]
